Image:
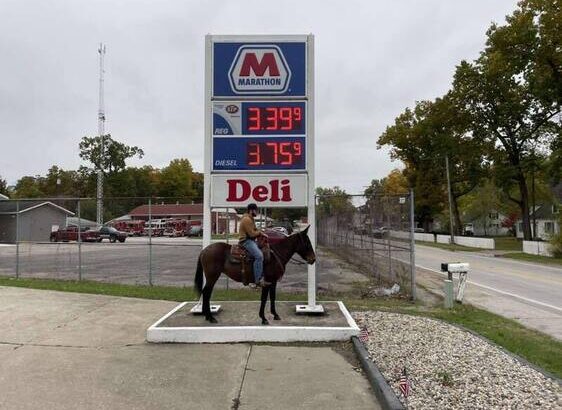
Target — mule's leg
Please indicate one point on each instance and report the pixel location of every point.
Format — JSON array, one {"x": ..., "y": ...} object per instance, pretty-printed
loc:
[
  {"x": 264, "y": 293},
  {"x": 207, "y": 290},
  {"x": 272, "y": 292}
]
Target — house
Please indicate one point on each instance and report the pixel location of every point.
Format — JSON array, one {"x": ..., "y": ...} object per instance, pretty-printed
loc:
[
  {"x": 547, "y": 217},
  {"x": 34, "y": 220},
  {"x": 487, "y": 225},
  {"x": 189, "y": 212}
]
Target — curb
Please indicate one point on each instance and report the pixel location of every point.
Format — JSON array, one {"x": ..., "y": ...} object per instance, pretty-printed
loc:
[{"x": 381, "y": 388}]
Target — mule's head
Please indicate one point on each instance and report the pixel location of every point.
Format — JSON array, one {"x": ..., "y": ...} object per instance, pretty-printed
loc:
[{"x": 304, "y": 247}]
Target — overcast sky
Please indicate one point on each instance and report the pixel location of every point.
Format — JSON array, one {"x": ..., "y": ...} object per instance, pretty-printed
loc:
[{"x": 373, "y": 59}]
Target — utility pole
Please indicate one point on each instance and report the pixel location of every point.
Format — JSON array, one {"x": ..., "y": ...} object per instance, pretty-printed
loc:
[
  {"x": 101, "y": 132},
  {"x": 450, "y": 200}
]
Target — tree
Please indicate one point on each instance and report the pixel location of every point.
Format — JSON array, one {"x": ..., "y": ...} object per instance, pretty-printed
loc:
[
  {"x": 511, "y": 93},
  {"x": 422, "y": 138},
  {"x": 333, "y": 201},
  {"x": 28, "y": 187},
  {"x": 3, "y": 186},
  {"x": 112, "y": 157},
  {"x": 176, "y": 179}
]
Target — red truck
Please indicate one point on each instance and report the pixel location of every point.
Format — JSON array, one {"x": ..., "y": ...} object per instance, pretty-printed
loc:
[
  {"x": 70, "y": 233},
  {"x": 132, "y": 227}
]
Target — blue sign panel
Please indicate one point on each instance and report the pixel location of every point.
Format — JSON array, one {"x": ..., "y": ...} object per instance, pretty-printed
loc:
[
  {"x": 259, "y": 153},
  {"x": 259, "y": 118},
  {"x": 253, "y": 69}
]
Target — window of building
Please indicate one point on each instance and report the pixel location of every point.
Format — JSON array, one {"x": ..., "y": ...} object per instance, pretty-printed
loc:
[
  {"x": 549, "y": 227},
  {"x": 493, "y": 215},
  {"x": 520, "y": 225},
  {"x": 555, "y": 209}
]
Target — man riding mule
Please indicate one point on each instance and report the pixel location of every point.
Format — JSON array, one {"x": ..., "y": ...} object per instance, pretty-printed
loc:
[
  {"x": 217, "y": 258},
  {"x": 248, "y": 235}
]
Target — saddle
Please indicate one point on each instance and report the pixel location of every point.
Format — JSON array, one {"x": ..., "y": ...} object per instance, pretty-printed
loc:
[{"x": 240, "y": 256}]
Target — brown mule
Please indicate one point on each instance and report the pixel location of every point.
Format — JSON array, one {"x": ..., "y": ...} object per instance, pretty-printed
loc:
[{"x": 215, "y": 259}]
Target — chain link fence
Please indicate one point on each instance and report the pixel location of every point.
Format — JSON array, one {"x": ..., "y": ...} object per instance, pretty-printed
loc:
[
  {"x": 142, "y": 240},
  {"x": 374, "y": 233}
]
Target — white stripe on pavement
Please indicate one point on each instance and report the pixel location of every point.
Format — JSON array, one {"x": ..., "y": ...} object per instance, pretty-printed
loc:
[{"x": 513, "y": 295}]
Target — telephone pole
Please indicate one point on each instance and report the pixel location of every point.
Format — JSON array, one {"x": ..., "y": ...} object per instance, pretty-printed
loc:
[
  {"x": 450, "y": 200},
  {"x": 101, "y": 132}
]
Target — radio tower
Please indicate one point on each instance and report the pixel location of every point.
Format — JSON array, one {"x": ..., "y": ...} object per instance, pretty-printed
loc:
[{"x": 101, "y": 132}]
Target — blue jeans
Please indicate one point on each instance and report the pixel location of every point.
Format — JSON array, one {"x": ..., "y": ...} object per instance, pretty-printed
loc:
[{"x": 253, "y": 249}]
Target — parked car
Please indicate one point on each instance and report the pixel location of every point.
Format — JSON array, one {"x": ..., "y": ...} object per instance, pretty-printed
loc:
[
  {"x": 110, "y": 233},
  {"x": 274, "y": 235},
  {"x": 381, "y": 232},
  {"x": 195, "y": 230},
  {"x": 70, "y": 233}
]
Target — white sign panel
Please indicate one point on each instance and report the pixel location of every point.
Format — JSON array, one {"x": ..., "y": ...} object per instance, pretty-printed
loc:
[{"x": 270, "y": 191}]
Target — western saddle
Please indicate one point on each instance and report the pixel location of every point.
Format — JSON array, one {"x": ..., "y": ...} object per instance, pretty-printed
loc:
[{"x": 239, "y": 255}]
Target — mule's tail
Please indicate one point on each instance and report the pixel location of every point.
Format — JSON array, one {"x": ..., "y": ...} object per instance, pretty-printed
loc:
[{"x": 199, "y": 277}]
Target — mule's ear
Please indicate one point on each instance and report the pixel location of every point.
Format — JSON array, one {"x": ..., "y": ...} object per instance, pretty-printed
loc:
[{"x": 305, "y": 232}]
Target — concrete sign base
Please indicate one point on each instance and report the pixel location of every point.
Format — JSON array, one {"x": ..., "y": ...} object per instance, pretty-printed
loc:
[{"x": 239, "y": 322}]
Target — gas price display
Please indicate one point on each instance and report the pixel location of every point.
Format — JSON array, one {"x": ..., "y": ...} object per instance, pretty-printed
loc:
[{"x": 259, "y": 135}]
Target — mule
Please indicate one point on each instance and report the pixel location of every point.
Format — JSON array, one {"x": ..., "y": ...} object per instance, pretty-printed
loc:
[{"x": 215, "y": 260}]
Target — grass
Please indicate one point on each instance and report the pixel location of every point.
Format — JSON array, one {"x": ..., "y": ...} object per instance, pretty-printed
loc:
[
  {"x": 527, "y": 257},
  {"x": 508, "y": 243},
  {"x": 449, "y": 247},
  {"x": 538, "y": 348}
]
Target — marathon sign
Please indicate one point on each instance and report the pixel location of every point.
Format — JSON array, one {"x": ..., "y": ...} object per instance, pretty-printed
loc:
[
  {"x": 259, "y": 69},
  {"x": 271, "y": 191}
]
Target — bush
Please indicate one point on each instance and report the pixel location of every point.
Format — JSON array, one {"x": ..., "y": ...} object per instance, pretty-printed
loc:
[{"x": 556, "y": 240}]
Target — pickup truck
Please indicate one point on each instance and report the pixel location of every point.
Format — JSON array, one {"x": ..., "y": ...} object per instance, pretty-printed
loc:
[
  {"x": 70, "y": 233},
  {"x": 110, "y": 233}
]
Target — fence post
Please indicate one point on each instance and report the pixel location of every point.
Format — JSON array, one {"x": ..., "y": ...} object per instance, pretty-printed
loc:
[
  {"x": 412, "y": 246},
  {"x": 227, "y": 234},
  {"x": 17, "y": 239},
  {"x": 79, "y": 240},
  {"x": 390, "y": 272},
  {"x": 150, "y": 241}
]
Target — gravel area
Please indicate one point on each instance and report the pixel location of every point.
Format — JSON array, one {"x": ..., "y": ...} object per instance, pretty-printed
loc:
[{"x": 452, "y": 369}]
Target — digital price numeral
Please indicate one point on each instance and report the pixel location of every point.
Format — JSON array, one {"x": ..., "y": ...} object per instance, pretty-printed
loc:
[
  {"x": 274, "y": 118},
  {"x": 274, "y": 153}
]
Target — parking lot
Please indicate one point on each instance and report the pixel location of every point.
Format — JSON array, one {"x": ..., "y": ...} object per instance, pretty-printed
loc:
[{"x": 173, "y": 262}]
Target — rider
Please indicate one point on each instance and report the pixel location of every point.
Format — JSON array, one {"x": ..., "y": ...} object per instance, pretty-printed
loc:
[{"x": 248, "y": 235}]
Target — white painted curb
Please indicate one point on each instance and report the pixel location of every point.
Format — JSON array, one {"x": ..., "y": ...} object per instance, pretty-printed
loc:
[{"x": 232, "y": 334}]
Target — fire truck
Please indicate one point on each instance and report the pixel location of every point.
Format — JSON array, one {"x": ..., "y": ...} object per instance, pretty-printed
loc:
[{"x": 132, "y": 227}]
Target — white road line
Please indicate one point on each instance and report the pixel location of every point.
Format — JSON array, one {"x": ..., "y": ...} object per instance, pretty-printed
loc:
[{"x": 513, "y": 295}]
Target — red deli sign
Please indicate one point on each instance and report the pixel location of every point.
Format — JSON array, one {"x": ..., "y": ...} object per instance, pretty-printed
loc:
[{"x": 271, "y": 191}]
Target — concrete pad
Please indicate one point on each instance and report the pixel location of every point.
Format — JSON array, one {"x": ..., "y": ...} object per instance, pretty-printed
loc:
[
  {"x": 138, "y": 377},
  {"x": 118, "y": 322},
  {"x": 237, "y": 322},
  {"x": 303, "y": 378},
  {"x": 28, "y": 314}
]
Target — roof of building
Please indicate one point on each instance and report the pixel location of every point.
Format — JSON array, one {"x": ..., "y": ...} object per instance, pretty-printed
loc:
[
  {"x": 168, "y": 209},
  {"x": 172, "y": 210},
  {"x": 3, "y": 197},
  {"x": 14, "y": 207}
]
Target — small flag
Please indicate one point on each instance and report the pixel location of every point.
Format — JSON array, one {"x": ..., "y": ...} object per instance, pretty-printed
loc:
[
  {"x": 404, "y": 383},
  {"x": 364, "y": 335}
]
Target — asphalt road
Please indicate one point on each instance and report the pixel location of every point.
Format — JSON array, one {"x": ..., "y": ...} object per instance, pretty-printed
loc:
[
  {"x": 173, "y": 262},
  {"x": 528, "y": 292}
]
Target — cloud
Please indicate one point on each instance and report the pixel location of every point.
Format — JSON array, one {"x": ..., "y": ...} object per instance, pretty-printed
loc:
[{"x": 373, "y": 59}]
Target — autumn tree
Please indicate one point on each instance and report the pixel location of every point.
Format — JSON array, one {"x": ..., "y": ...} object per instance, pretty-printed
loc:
[
  {"x": 3, "y": 186},
  {"x": 107, "y": 154},
  {"x": 176, "y": 179},
  {"x": 512, "y": 93}
]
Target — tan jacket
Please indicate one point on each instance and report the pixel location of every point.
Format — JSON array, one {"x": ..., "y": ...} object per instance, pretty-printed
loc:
[{"x": 248, "y": 228}]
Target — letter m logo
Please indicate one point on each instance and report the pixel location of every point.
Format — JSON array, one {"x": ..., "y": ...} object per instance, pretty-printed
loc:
[{"x": 259, "y": 69}]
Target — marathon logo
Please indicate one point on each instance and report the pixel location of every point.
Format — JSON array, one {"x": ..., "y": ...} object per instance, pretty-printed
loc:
[{"x": 259, "y": 69}]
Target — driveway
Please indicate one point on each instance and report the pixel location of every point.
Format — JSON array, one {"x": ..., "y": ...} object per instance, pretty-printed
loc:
[{"x": 72, "y": 351}]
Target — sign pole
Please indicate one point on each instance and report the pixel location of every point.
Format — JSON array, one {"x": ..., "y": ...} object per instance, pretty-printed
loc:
[{"x": 311, "y": 307}]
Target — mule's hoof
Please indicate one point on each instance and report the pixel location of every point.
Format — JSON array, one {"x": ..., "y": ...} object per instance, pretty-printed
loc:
[
  {"x": 276, "y": 317},
  {"x": 212, "y": 319},
  {"x": 265, "y": 322}
]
